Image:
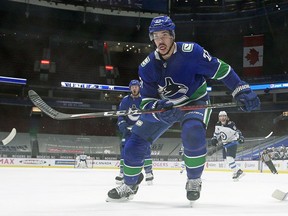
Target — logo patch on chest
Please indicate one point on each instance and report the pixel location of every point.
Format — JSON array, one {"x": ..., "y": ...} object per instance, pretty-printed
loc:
[{"x": 172, "y": 88}]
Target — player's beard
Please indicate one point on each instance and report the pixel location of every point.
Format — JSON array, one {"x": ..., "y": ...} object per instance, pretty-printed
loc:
[{"x": 165, "y": 54}]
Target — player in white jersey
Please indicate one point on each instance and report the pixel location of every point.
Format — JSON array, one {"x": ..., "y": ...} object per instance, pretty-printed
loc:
[
  {"x": 81, "y": 161},
  {"x": 181, "y": 153},
  {"x": 229, "y": 136}
]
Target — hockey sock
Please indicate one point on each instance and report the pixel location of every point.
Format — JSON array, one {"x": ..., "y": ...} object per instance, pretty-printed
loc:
[
  {"x": 231, "y": 163},
  {"x": 148, "y": 165},
  {"x": 193, "y": 138}
]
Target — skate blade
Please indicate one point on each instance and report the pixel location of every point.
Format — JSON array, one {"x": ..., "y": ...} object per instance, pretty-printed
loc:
[
  {"x": 149, "y": 183},
  {"x": 279, "y": 195},
  {"x": 191, "y": 204},
  {"x": 123, "y": 199}
]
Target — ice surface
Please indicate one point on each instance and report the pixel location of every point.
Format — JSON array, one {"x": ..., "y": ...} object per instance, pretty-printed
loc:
[{"x": 82, "y": 192}]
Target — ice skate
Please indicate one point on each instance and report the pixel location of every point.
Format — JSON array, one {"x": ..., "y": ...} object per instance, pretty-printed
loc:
[
  {"x": 239, "y": 174},
  {"x": 149, "y": 178},
  {"x": 193, "y": 188},
  {"x": 124, "y": 192},
  {"x": 119, "y": 179}
]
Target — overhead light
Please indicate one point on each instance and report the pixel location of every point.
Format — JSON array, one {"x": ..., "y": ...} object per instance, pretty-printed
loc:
[
  {"x": 108, "y": 67},
  {"x": 45, "y": 62}
]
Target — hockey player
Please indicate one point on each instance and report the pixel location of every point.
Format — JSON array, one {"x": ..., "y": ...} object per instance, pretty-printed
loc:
[
  {"x": 266, "y": 158},
  {"x": 181, "y": 153},
  {"x": 175, "y": 75},
  {"x": 125, "y": 124},
  {"x": 227, "y": 135},
  {"x": 81, "y": 161}
]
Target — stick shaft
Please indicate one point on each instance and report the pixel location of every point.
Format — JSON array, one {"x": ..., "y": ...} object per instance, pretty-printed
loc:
[{"x": 37, "y": 101}]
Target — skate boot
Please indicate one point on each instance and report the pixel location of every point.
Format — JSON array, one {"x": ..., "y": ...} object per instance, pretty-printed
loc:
[
  {"x": 149, "y": 178},
  {"x": 124, "y": 192},
  {"x": 119, "y": 179},
  {"x": 239, "y": 174},
  {"x": 193, "y": 188}
]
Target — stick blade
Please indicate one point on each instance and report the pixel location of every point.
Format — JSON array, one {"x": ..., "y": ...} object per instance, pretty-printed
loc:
[
  {"x": 279, "y": 195},
  {"x": 37, "y": 101},
  {"x": 10, "y": 137},
  {"x": 270, "y": 134}
]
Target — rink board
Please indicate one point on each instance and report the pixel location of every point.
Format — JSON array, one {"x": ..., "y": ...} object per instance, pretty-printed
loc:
[{"x": 252, "y": 166}]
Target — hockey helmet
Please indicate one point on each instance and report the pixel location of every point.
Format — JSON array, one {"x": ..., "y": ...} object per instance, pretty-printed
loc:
[
  {"x": 222, "y": 113},
  {"x": 134, "y": 82},
  {"x": 161, "y": 23}
]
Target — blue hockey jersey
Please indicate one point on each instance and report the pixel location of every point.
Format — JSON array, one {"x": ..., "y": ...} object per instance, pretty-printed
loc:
[
  {"x": 129, "y": 103},
  {"x": 182, "y": 78}
]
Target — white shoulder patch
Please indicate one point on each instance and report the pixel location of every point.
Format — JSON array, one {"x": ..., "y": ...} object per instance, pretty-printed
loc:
[
  {"x": 187, "y": 47},
  {"x": 146, "y": 60}
]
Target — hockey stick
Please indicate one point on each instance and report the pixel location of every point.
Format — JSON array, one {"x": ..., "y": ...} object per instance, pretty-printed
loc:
[
  {"x": 279, "y": 195},
  {"x": 37, "y": 101},
  {"x": 9, "y": 138},
  {"x": 219, "y": 147},
  {"x": 174, "y": 148},
  {"x": 283, "y": 116},
  {"x": 259, "y": 139}
]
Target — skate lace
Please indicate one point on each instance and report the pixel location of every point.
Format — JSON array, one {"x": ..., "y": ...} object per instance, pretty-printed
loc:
[
  {"x": 194, "y": 185},
  {"x": 124, "y": 190}
]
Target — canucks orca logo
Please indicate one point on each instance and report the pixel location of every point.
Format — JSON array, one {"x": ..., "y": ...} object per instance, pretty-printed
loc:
[
  {"x": 133, "y": 117},
  {"x": 171, "y": 88}
]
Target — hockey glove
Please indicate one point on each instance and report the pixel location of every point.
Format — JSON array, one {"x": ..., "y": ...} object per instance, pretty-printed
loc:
[
  {"x": 123, "y": 127},
  {"x": 244, "y": 95},
  {"x": 171, "y": 115},
  {"x": 241, "y": 139},
  {"x": 214, "y": 141}
]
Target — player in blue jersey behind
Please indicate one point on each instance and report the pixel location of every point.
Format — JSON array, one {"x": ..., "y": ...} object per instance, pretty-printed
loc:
[
  {"x": 175, "y": 75},
  {"x": 125, "y": 123}
]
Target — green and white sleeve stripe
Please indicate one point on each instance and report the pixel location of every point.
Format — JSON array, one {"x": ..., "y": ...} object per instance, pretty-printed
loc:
[{"x": 222, "y": 71}]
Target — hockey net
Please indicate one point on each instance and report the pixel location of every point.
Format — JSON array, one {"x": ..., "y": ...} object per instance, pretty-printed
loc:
[{"x": 80, "y": 164}]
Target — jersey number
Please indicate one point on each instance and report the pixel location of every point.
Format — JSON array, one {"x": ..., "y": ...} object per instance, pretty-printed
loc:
[{"x": 207, "y": 55}]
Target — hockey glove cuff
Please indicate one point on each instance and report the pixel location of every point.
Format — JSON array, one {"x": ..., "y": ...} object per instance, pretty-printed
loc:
[{"x": 244, "y": 95}]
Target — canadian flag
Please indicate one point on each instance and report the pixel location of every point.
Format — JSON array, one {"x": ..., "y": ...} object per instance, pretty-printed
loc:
[{"x": 253, "y": 55}]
